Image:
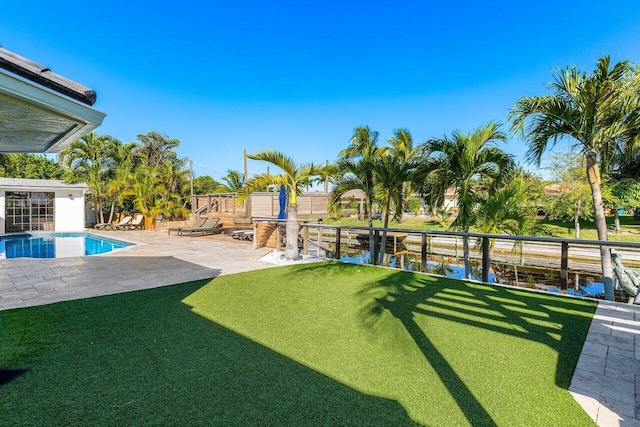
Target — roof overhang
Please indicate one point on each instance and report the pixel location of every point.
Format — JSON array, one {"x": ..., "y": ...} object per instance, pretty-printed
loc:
[{"x": 35, "y": 118}]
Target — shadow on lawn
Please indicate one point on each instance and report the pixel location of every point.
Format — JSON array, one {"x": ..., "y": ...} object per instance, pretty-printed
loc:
[
  {"x": 528, "y": 315},
  {"x": 518, "y": 313},
  {"x": 145, "y": 357}
]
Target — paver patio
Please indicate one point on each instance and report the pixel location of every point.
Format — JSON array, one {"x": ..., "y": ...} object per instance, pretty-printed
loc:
[
  {"x": 156, "y": 260},
  {"x": 606, "y": 382}
]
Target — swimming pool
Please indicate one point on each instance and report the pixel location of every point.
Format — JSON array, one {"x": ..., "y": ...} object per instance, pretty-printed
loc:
[{"x": 57, "y": 245}]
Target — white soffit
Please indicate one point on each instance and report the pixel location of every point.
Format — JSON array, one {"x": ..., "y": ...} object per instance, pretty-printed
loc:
[{"x": 35, "y": 119}]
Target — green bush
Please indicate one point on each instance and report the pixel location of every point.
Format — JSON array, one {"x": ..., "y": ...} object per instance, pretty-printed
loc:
[
  {"x": 414, "y": 205},
  {"x": 346, "y": 213}
]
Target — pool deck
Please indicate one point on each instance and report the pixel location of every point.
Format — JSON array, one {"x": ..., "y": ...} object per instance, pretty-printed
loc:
[
  {"x": 156, "y": 260},
  {"x": 606, "y": 382}
]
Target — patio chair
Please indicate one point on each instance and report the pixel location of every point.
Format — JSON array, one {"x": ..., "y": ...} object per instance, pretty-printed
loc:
[
  {"x": 197, "y": 224},
  {"x": 136, "y": 224},
  {"x": 209, "y": 226},
  {"x": 124, "y": 221},
  {"x": 243, "y": 234}
]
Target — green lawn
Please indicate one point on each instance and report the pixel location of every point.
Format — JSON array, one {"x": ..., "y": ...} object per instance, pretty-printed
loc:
[{"x": 313, "y": 344}]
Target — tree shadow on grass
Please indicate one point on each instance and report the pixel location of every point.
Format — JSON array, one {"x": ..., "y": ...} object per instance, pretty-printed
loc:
[
  {"x": 521, "y": 314},
  {"x": 145, "y": 357},
  {"x": 556, "y": 322}
]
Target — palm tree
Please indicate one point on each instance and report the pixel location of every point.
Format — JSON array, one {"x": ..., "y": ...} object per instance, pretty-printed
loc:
[
  {"x": 89, "y": 160},
  {"x": 458, "y": 162},
  {"x": 355, "y": 166},
  {"x": 598, "y": 113},
  {"x": 124, "y": 162},
  {"x": 174, "y": 189},
  {"x": 363, "y": 144},
  {"x": 234, "y": 180},
  {"x": 403, "y": 149},
  {"x": 390, "y": 174},
  {"x": 293, "y": 177},
  {"x": 356, "y": 175},
  {"x": 144, "y": 187}
]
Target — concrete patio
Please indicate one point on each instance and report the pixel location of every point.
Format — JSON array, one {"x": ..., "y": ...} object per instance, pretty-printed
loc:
[
  {"x": 606, "y": 382},
  {"x": 156, "y": 260}
]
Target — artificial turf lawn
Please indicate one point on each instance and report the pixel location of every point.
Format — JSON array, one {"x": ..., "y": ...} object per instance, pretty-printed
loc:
[{"x": 353, "y": 345}]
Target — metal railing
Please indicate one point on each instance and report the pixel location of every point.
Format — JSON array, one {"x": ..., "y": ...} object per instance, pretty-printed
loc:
[{"x": 332, "y": 238}]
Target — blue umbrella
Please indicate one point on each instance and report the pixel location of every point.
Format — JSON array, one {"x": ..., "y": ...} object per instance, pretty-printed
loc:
[{"x": 283, "y": 203}]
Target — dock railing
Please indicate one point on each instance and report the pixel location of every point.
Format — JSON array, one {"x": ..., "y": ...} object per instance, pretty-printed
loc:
[{"x": 549, "y": 255}]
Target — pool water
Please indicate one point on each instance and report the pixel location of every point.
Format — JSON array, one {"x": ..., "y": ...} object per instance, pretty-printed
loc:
[{"x": 57, "y": 245}]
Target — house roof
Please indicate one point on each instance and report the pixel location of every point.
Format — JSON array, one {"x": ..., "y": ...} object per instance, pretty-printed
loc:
[
  {"x": 39, "y": 184},
  {"x": 42, "y": 75},
  {"x": 42, "y": 112}
]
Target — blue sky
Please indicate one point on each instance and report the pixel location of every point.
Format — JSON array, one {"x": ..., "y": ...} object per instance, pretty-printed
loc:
[{"x": 298, "y": 76}]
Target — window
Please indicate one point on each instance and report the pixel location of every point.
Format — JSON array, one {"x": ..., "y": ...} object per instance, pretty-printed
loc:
[{"x": 29, "y": 211}]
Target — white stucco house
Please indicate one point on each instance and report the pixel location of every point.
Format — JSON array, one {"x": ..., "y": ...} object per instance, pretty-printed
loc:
[{"x": 28, "y": 205}]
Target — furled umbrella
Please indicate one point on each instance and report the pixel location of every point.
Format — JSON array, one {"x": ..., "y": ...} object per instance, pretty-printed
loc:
[{"x": 283, "y": 203}]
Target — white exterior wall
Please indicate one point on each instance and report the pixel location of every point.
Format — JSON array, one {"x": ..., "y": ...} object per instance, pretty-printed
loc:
[
  {"x": 69, "y": 211},
  {"x": 3, "y": 211}
]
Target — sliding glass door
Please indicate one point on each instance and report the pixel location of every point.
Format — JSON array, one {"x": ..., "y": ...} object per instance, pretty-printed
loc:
[{"x": 29, "y": 211}]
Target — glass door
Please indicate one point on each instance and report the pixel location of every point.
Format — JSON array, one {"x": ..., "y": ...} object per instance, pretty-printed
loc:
[{"x": 27, "y": 211}]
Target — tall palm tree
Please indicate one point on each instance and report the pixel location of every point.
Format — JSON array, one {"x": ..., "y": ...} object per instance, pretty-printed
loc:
[
  {"x": 459, "y": 162},
  {"x": 234, "y": 181},
  {"x": 403, "y": 149},
  {"x": 598, "y": 113},
  {"x": 363, "y": 144},
  {"x": 355, "y": 164},
  {"x": 293, "y": 177},
  {"x": 356, "y": 175},
  {"x": 89, "y": 160},
  {"x": 390, "y": 174},
  {"x": 174, "y": 190},
  {"x": 124, "y": 163}
]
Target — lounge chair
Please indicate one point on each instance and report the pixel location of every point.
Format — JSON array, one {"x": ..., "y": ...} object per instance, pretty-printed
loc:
[
  {"x": 198, "y": 224},
  {"x": 243, "y": 235},
  {"x": 136, "y": 224},
  {"x": 210, "y": 226},
  {"x": 115, "y": 225}
]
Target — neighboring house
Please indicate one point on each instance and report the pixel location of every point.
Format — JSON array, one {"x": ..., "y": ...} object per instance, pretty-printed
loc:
[{"x": 41, "y": 205}]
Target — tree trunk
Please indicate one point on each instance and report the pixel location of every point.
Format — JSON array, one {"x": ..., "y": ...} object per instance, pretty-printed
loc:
[
  {"x": 617, "y": 222},
  {"x": 576, "y": 224},
  {"x": 466, "y": 255},
  {"x": 100, "y": 213},
  {"x": 293, "y": 228},
  {"x": 383, "y": 243},
  {"x": 372, "y": 244},
  {"x": 113, "y": 207},
  {"x": 593, "y": 174}
]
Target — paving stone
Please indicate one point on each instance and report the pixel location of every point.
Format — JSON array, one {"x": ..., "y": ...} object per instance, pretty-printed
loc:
[
  {"x": 593, "y": 349},
  {"x": 586, "y": 382},
  {"x": 608, "y": 418},
  {"x": 592, "y": 363},
  {"x": 621, "y": 342},
  {"x": 622, "y": 363},
  {"x": 590, "y": 405},
  {"x": 620, "y": 352},
  {"x": 624, "y": 407},
  {"x": 619, "y": 375}
]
